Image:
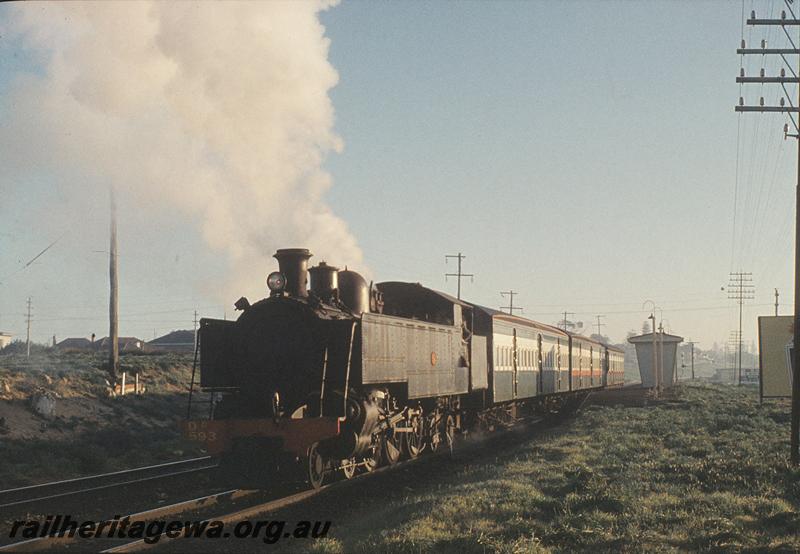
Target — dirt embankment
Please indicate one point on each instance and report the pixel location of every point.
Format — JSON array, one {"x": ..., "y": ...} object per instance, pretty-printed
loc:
[{"x": 60, "y": 419}]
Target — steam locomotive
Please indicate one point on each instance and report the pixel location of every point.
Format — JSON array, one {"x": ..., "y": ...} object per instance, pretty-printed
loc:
[{"x": 345, "y": 376}]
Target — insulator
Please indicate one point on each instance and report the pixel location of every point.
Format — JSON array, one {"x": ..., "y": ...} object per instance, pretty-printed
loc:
[
  {"x": 744, "y": 45},
  {"x": 741, "y": 101},
  {"x": 782, "y": 101},
  {"x": 783, "y": 72},
  {"x": 762, "y": 71},
  {"x": 785, "y": 128},
  {"x": 753, "y": 14},
  {"x": 763, "y": 43},
  {"x": 783, "y": 14},
  {"x": 761, "y": 101},
  {"x": 741, "y": 72}
]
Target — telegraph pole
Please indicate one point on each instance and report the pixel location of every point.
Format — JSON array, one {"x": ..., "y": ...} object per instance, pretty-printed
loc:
[
  {"x": 566, "y": 313},
  {"x": 599, "y": 325},
  {"x": 510, "y": 307},
  {"x": 195, "y": 330},
  {"x": 734, "y": 338},
  {"x": 458, "y": 275},
  {"x": 28, "y": 339},
  {"x": 692, "y": 344},
  {"x": 783, "y": 22},
  {"x": 113, "y": 311},
  {"x": 740, "y": 288}
]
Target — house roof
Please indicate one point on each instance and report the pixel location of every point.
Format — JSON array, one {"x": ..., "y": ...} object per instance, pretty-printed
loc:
[
  {"x": 120, "y": 341},
  {"x": 175, "y": 337},
  {"x": 648, "y": 337},
  {"x": 75, "y": 342}
]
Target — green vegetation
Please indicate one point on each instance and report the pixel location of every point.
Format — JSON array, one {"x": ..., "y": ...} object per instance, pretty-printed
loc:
[
  {"x": 90, "y": 432},
  {"x": 705, "y": 468}
]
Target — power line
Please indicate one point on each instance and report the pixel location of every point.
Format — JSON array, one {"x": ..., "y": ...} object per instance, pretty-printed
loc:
[
  {"x": 782, "y": 108},
  {"x": 458, "y": 275},
  {"x": 36, "y": 257}
]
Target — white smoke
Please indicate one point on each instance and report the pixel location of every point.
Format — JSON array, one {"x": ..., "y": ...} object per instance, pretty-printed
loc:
[{"x": 217, "y": 111}]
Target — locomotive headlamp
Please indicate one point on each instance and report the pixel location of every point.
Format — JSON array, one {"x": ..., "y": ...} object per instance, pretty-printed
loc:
[{"x": 276, "y": 281}]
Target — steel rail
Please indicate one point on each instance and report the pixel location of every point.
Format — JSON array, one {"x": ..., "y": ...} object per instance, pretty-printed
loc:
[
  {"x": 42, "y": 543},
  {"x": 264, "y": 507},
  {"x": 279, "y": 503},
  {"x": 79, "y": 485}
]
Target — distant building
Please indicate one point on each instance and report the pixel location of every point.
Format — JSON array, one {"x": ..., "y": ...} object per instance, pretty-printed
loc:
[
  {"x": 666, "y": 359},
  {"x": 75, "y": 343},
  {"x": 176, "y": 341},
  {"x": 125, "y": 344},
  {"x": 5, "y": 339}
]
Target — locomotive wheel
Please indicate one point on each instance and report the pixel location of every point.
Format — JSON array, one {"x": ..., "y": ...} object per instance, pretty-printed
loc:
[
  {"x": 451, "y": 432},
  {"x": 392, "y": 445},
  {"x": 373, "y": 460},
  {"x": 316, "y": 467},
  {"x": 414, "y": 442},
  {"x": 349, "y": 468},
  {"x": 444, "y": 436}
]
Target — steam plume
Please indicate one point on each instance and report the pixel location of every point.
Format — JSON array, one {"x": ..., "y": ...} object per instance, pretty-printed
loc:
[{"x": 217, "y": 111}]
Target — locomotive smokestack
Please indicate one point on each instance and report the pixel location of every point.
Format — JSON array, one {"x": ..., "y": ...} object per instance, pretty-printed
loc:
[
  {"x": 293, "y": 263},
  {"x": 324, "y": 281}
]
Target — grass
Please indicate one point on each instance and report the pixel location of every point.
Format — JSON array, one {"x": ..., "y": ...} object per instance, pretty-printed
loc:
[
  {"x": 91, "y": 433},
  {"x": 703, "y": 469}
]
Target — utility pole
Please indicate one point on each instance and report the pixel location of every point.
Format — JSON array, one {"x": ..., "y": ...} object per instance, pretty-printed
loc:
[
  {"x": 510, "y": 307},
  {"x": 113, "y": 310},
  {"x": 740, "y": 288},
  {"x": 776, "y": 302},
  {"x": 692, "y": 345},
  {"x": 28, "y": 339},
  {"x": 458, "y": 275},
  {"x": 733, "y": 347},
  {"x": 598, "y": 324},
  {"x": 566, "y": 313},
  {"x": 661, "y": 352},
  {"x": 783, "y": 22},
  {"x": 195, "y": 330}
]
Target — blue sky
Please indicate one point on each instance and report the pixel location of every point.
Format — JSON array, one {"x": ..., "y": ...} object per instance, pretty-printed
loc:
[{"x": 583, "y": 154}]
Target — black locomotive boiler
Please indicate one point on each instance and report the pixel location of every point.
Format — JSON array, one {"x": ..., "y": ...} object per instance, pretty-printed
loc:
[{"x": 345, "y": 375}]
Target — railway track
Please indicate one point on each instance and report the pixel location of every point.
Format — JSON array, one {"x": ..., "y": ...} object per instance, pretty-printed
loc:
[
  {"x": 197, "y": 509},
  {"x": 15, "y": 498},
  {"x": 229, "y": 502}
]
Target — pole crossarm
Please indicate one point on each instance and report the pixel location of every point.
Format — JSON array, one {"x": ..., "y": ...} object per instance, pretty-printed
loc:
[
  {"x": 765, "y": 109},
  {"x": 511, "y": 294},
  {"x": 458, "y": 275},
  {"x": 764, "y": 51},
  {"x": 776, "y": 22},
  {"x": 763, "y": 80}
]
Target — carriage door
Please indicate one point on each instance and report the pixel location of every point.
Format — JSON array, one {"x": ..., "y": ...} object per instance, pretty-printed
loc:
[
  {"x": 539, "y": 365},
  {"x": 514, "y": 380},
  {"x": 558, "y": 365}
]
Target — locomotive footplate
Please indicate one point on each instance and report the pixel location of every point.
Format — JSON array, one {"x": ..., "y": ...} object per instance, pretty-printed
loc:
[{"x": 297, "y": 435}]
